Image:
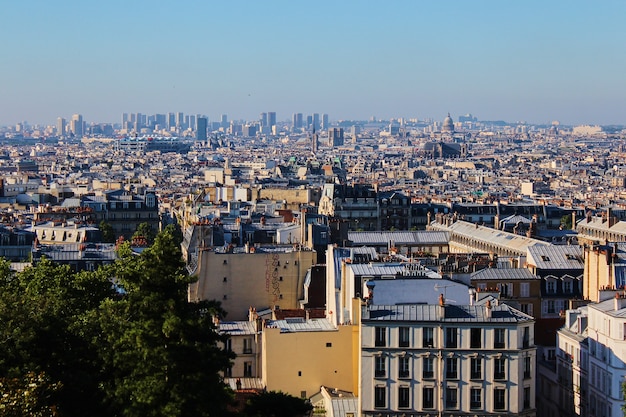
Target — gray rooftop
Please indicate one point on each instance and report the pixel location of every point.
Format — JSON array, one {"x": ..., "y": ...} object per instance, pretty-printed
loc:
[
  {"x": 427, "y": 313},
  {"x": 418, "y": 238},
  {"x": 235, "y": 328},
  {"x": 556, "y": 257},
  {"x": 504, "y": 274},
  {"x": 296, "y": 324}
]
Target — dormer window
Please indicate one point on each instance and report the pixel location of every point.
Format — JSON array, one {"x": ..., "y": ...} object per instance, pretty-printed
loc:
[
  {"x": 550, "y": 286},
  {"x": 568, "y": 286}
]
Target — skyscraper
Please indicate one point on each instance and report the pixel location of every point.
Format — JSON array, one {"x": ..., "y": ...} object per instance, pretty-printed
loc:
[
  {"x": 325, "y": 121},
  {"x": 316, "y": 121},
  {"x": 263, "y": 120},
  {"x": 271, "y": 119},
  {"x": 224, "y": 121},
  {"x": 171, "y": 121},
  {"x": 201, "y": 128},
  {"x": 161, "y": 120},
  {"x": 180, "y": 120},
  {"x": 297, "y": 120},
  {"x": 60, "y": 126},
  {"x": 76, "y": 125}
]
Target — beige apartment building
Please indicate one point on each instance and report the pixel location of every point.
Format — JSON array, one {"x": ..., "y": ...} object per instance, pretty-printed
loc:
[
  {"x": 244, "y": 277},
  {"x": 605, "y": 269},
  {"x": 299, "y": 356}
]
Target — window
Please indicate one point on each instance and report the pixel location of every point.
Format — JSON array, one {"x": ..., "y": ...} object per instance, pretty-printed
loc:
[
  {"x": 452, "y": 371},
  {"x": 499, "y": 368},
  {"x": 527, "y": 367},
  {"x": 506, "y": 289},
  {"x": 247, "y": 346},
  {"x": 476, "y": 398},
  {"x": 380, "y": 394},
  {"x": 567, "y": 286},
  {"x": 451, "y": 337},
  {"x": 475, "y": 338},
  {"x": 428, "y": 397},
  {"x": 404, "y": 397},
  {"x": 499, "y": 397},
  {"x": 550, "y": 286},
  {"x": 247, "y": 369},
  {"x": 404, "y": 367},
  {"x": 380, "y": 369},
  {"x": 527, "y": 309},
  {"x": 404, "y": 336},
  {"x": 526, "y": 338},
  {"x": 427, "y": 368},
  {"x": 476, "y": 371},
  {"x": 498, "y": 338},
  {"x": 428, "y": 337},
  {"x": 551, "y": 307},
  {"x": 451, "y": 397},
  {"x": 229, "y": 345},
  {"x": 524, "y": 289},
  {"x": 526, "y": 397},
  {"x": 381, "y": 336}
]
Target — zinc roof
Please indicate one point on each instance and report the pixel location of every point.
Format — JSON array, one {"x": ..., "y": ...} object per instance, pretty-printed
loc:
[
  {"x": 490, "y": 236},
  {"x": 505, "y": 274},
  {"x": 403, "y": 238},
  {"x": 453, "y": 313},
  {"x": 556, "y": 257}
]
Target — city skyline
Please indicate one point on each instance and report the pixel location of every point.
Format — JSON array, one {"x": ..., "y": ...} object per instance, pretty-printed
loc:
[{"x": 531, "y": 61}]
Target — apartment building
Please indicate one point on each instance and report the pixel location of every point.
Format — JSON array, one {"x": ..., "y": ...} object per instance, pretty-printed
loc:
[{"x": 452, "y": 360}]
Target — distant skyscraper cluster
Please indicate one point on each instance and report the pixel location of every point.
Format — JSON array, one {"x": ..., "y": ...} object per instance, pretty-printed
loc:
[{"x": 199, "y": 125}]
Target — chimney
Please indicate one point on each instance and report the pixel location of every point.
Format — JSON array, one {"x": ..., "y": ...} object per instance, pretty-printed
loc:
[
  {"x": 488, "y": 309},
  {"x": 620, "y": 301},
  {"x": 442, "y": 307},
  {"x": 370, "y": 292},
  {"x": 573, "y": 220}
]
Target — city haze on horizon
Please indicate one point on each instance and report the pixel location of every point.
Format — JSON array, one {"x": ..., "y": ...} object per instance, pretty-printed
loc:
[{"x": 529, "y": 61}]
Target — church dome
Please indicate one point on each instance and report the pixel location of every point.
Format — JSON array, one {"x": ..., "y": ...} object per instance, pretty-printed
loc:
[{"x": 448, "y": 124}]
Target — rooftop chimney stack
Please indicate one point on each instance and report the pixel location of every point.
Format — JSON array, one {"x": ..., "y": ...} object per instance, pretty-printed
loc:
[{"x": 488, "y": 309}]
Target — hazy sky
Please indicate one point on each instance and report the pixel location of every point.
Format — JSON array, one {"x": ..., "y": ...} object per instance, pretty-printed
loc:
[{"x": 536, "y": 61}]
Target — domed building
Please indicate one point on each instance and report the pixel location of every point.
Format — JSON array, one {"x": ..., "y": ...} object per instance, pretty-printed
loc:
[{"x": 448, "y": 124}]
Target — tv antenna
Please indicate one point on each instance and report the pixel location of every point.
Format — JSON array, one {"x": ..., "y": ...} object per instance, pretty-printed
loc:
[{"x": 445, "y": 291}]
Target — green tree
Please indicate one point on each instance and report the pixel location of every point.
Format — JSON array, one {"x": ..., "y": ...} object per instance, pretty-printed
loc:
[
  {"x": 145, "y": 230},
  {"x": 160, "y": 352},
  {"x": 108, "y": 235},
  {"x": 276, "y": 404},
  {"x": 30, "y": 395},
  {"x": 566, "y": 222},
  {"x": 176, "y": 232},
  {"x": 44, "y": 312}
]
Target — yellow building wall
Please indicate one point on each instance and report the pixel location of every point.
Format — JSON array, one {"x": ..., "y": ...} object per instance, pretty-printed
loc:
[
  {"x": 293, "y": 197},
  {"x": 243, "y": 280},
  {"x": 300, "y": 362},
  {"x": 597, "y": 274}
]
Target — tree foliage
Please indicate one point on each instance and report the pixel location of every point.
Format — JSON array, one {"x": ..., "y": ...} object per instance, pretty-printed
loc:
[
  {"x": 134, "y": 349},
  {"x": 276, "y": 404},
  {"x": 108, "y": 235},
  {"x": 146, "y": 231}
]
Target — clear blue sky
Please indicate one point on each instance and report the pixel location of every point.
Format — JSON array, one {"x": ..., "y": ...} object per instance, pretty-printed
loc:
[{"x": 536, "y": 61}]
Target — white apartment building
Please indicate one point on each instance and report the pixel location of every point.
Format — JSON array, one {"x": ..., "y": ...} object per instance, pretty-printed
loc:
[
  {"x": 452, "y": 360},
  {"x": 592, "y": 359},
  {"x": 572, "y": 362}
]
